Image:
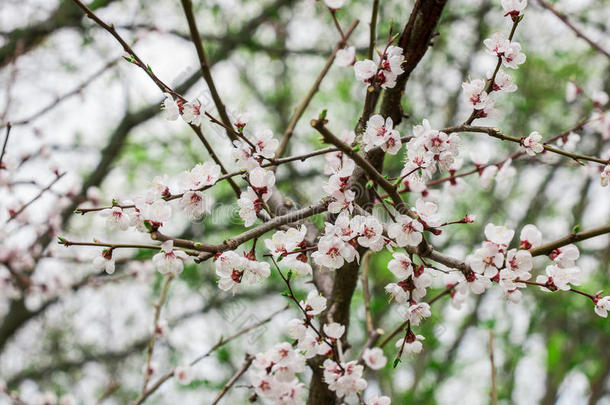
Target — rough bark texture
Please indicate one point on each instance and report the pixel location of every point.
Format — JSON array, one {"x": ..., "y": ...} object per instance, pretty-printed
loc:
[{"x": 415, "y": 40}]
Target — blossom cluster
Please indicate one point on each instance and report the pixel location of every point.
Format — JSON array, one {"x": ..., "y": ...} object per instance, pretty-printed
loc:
[
  {"x": 152, "y": 208},
  {"x": 478, "y": 92},
  {"x": 427, "y": 151},
  {"x": 383, "y": 70},
  {"x": 273, "y": 375},
  {"x": 233, "y": 268},
  {"x": 249, "y": 154}
]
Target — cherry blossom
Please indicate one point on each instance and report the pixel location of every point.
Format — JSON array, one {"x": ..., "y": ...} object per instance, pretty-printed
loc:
[
  {"x": 532, "y": 144},
  {"x": 343, "y": 201},
  {"x": 377, "y": 400},
  {"x": 297, "y": 329},
  {"x": 509, "y": 281},
  {"x": 406, "y": 231},
  {"x": 530, "y": 237},
  {"x": 344, "y": 381},
  {"x": 334, "y": 330},
  {"x": 195, "y": 204},
  {"x": 336, "y": 160},
  {"x": 519, "y": 261},
  {"x": 265, "y": 143},
  {"x": 605, "y": 176},
  {"x": 502, "y": 82},
  {"x": 513, "y": 8},
  {"x": 104, "y": 261},
  {"x": 474, "y": 93},
  {"x": 273, "y": 375},
  {"x": 161, "y": 328},
  {"x": 160, "y": 186},
  {"x": 374, "y": 358},
  {"x": 365, "y": 70},
  {"x": 572, "y": 91},
  {"x": 478, "y": 283},
  {"x": 429, "y": 147},
  {"x": 333, "y": 252},
  {"x": 412, "y": 344},
  {"x": 416, "y": 312},
  {"x": 370, "y": 230},
  {"x": 600, "y": 99},
  {"x": 117, "y": 218},
  {"x": 157, "y": 212},
  {"x": 334, "y": 4},
  {"x": 401, "y": 266},
  {"x": 244, "y": 155},
  {"x": 384, "y": 70},
  {"x": 427, "y": 213},
  {"x": 192, "y": 112},
  {"x": 602, "y": 306},
  {"x": 509, "y": 52},
  {"x": 256, "y": 271},
  {"x": 346, "y": 56},
  {"x": 262, "y": 182},
  {"x": 499, "y": 235},
  {"x": 184, "y": 374},
  {"x": 171, "y": 110},
  {"x": 169, "y": 261},
  {"x": 560, "y": 277},
  {"x": 314, "y": 304},
  {"x": 249, "y": 205},
  {"x": 233, "y": 268},
  {"x": 380, "y": 132},
  {"x": 397, "y": 293},
  {"x": 565, "y": 256},
  {"x": 283, "y": 242},
  {"x": 202, "y": 175},
  {"x": 487, "y": 260}
]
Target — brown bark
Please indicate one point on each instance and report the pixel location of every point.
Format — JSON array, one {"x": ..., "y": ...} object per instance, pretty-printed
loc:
[{"x": 414, "y": 40}]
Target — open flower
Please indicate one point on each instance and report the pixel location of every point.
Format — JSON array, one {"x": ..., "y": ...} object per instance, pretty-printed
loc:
[
  {"x": 513, "y": 8},
  {"x": 171, "y": 110},
  {"x": 169, "y": 261},
  {"x": 345, "y": 56},
  {"x": 104, "y": 261},
  {"x": 406, "y": 231},
  {"x": 602, "y": 306},
  {"x": 192, "y": 113},
  {"x": 334, "y": 330},
  {"x": 117, "y": 218},
  {"x": 374, "y": 358},
  {"x": 532, "y": 144}
]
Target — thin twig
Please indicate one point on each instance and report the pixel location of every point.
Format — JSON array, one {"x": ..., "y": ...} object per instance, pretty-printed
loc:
[
  {"x": 571, "y": 26},
  {"x": 233, "y": 379},
  {"x": 8, "y": 133},
  {"x": 151, "y": 344},
  {"x": 494, "y": 388},
  {"x": 221, "y": 342},
  {"x": 14, "y": 215},
  {"x": 298, "y": 113}
]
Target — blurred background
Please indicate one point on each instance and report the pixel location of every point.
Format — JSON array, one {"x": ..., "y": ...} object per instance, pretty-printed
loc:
[{"x": 77, "y": 107}]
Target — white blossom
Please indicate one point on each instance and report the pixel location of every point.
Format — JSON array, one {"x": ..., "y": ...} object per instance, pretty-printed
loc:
[
  {"x": 532, "y": 144},
  {"x": 374, "y": 358}
]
